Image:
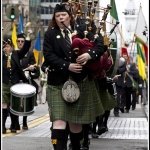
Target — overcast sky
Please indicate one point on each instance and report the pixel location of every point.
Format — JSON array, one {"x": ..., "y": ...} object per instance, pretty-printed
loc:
[{"x": 122, "y": 4}]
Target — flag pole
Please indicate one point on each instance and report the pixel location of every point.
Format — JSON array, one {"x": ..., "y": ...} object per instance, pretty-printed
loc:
[
  {"x": 135, "y": 28},
  {"x": 40, "y": 54},
  {"x": 122, "y": 38}
]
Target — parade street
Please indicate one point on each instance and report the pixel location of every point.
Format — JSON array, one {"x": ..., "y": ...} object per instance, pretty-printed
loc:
[{"x": 127, "y": 132}]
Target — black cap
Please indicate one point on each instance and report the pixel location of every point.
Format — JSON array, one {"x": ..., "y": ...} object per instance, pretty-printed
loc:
[
  {"x": 62, "y": 8},
  {"x": 21, "y": 35},
  {"x": 7, "y": 40}
]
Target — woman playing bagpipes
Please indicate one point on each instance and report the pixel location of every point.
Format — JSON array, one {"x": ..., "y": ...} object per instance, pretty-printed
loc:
[{"x": 59, "y": 57}]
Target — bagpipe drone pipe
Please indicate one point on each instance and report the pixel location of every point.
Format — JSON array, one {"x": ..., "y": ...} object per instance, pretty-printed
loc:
[{"x": 88, "y": 30}]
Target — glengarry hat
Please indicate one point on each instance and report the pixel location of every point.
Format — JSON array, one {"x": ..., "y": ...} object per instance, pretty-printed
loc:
[{"x": 62, "y": 8}]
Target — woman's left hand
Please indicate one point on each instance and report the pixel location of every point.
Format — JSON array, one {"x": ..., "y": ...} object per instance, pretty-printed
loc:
[{"x": 82, "y": 59}]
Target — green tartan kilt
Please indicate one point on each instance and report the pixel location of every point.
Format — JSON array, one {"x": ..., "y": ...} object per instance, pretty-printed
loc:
[
  {"x": 108, "y": 101},
  {"x": 6, "y": 93},
  {"x": 83, "y": 111}
]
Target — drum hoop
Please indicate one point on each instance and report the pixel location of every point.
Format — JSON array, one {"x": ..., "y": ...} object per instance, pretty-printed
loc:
[
  {"x": 23, "y": 95},
  {"x": 22, "y": 113}
]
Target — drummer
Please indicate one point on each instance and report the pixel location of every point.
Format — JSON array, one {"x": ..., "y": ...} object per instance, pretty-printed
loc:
[
  {"x": 29, "y": 63},
  {"x": 11, "y": 74}
]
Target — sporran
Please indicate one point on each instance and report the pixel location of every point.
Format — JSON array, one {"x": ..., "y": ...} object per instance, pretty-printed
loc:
[{"x": 70, "y": 91}]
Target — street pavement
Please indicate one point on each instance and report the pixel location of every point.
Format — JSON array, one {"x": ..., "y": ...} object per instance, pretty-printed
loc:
[{"x": 127, "y": 132}]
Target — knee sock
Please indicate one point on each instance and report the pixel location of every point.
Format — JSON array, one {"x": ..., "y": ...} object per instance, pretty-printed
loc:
[
  {"x": 100, "y": 122},
  {"x": 86, "y": 128},
  {"x": 95, "y": 125},
  {"x": 106, "y": 116},
  {"x": 57, "y": 139},
  {"x": 75, "y": 139}
]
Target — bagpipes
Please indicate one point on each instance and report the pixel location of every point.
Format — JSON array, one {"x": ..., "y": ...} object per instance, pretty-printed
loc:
[
  {"x": 87, "y": 32},
  {"x": 97, "y": 67}
]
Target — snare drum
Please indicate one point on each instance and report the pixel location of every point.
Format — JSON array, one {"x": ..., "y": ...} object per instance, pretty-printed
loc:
[{"x": 22, "y": 99}]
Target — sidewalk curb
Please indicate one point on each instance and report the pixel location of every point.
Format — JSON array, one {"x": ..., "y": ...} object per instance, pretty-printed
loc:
[{"x": 145, "y": 110}]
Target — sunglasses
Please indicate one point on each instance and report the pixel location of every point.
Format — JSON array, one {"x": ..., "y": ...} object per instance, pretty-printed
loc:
[{"x": 20, "y": 41}]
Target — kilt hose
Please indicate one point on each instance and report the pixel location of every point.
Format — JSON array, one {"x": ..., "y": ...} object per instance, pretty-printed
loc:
[{"x": 83, "y": 111}]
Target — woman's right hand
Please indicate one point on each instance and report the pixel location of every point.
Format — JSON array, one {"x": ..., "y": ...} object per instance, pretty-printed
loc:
[{"x": 74, "y": 67}]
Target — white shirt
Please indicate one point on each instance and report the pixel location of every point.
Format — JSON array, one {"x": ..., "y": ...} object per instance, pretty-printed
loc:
[{"x": 69, "y": 34}]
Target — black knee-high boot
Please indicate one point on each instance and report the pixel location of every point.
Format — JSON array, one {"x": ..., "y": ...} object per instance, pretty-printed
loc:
[
  {"x": 94, "y": 132},
  {"x": 95, "y": 125},
  {"x": 5, "y": 114},
  {"x": 101, "y": 128},
  {"x": 57, "y": 139},
  {"x": 106, "y": 116},
  {"x": 100, "y": 122},
  {"x": 25, "y": 127},
  {"x": 75, "y": 139},
  {"x": 86, "y": 140}
]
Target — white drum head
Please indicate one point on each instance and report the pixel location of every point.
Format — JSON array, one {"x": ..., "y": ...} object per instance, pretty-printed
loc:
[{"x": 23, "y": 89}]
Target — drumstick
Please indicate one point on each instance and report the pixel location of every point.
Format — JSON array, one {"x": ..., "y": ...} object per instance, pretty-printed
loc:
[{"x": 27, "y": 69}]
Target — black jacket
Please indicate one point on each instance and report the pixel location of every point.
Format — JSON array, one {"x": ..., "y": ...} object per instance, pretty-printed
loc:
[
  {"x": 15, "y": 74},
  {"x": 58, "y": 57}
]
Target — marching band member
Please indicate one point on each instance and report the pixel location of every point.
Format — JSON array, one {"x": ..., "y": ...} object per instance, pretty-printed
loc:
[
  {"x": 58, "y": 56},
  {"x": 12, "y": 74},
  {"x": 28, "y": 62},
  {"x": 107, "y": 97}
]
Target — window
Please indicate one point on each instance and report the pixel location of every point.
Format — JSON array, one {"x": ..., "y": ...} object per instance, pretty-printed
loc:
[{"x": 45, "y": 22}]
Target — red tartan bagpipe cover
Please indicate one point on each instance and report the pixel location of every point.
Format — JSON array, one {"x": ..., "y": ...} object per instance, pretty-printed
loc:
[{"x": 98, "y": 67}]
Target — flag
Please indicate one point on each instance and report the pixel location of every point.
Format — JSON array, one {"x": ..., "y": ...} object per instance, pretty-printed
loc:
[
  {"x": 14, "y": 36},
  {"x": 141, "y": 27},
  {"x": 141, "y": 62},
  {"x": 37, "y": 48},
  {"x": 143, "y": 47},
  {"x": 20, "y": 25},
  {"x": 141, "y": 33},
  {"x": 113, "y": 20},
  {"x": 113, "y": 11}
]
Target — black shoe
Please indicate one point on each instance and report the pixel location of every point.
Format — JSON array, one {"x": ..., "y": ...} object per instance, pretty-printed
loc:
[
  {"x": 4, "y": 130},
  {"x": 25, "y": 127},
  {"x": 106, "y": 128},
  {"x": 122, "y": 110},
  {"x": 85, "y": 146},
  {"x": 13, "y": 131},
  {"x": 133, "y": 108},
  {"x": 116, "y": 115},
  {"x": 101, "y": 130},
  {"x": 17, "y": 127},
  {"x": 95, "y": 135},
  {"x": 127, "y": 111}
]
